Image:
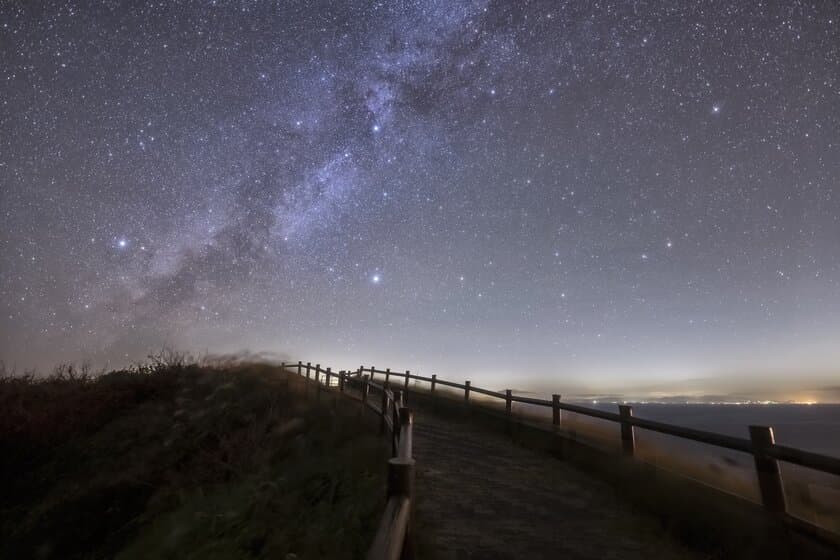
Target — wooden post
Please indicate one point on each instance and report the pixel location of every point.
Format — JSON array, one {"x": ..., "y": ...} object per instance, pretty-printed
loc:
[
  {"x": 341, "y": 375},
  {"x": 308, "y": 373},
  {"x": 466, "y": 391},
  {"x": 300, "y": 365},
  {"x": 555, "y": 410},
  {"x": 407, "y": 375},
  {"x": 401, "y": 477},
  {"x": 365, "y": 393},
  {"x": 628, "y": 435},
  {"x": 308, "y": 368},
  {"x": 372, "y": 371},
  {"x": 283, "y": 367},
  {"x": 383, "y": 410},
  {"x": 328, "y": 376},
  {"x": 317, "y": 373},
  {"x": 434, "y": 381},
  {"x": 767, "y": 468},
  {"x": 508, "y": 402},
  {"x": 387, "y": 375}
]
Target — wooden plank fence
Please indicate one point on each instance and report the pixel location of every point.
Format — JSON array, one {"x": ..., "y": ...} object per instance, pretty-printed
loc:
[
  {"x": 393, "y": 530},
  {"x": 393, "y": 536}
]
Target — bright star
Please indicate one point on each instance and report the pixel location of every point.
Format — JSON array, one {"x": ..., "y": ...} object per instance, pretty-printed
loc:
[
  {"x": 122, "y": 243},
  {"x": 375, "y": 279}
]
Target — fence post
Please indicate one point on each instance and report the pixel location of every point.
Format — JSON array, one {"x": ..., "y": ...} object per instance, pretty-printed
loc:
[
  {"x": 407, "y": 374},
  {"x": 365, "y": 393},
  {"x": 767, "y": 468},
  {"x": 628, "y": 434},
  {"x": 383, "y": 410},
  {"x": 317, "y": 373},
  {"x": 341, "y": 375},
  {"x": 387, "y": 375},
  {"x": 555, "y": 410},
  {"x": 328, "y": 376},
  {"x": 372, "y": 371},
  {"x": 283, "y": 367},
  {"x": 508, "y": 402},
  {"x": 308, "y": 368},
  {"x": 434, "y": 381},
  {"x": 466, "y": 391},
  {"x": 308, "y": 373}
]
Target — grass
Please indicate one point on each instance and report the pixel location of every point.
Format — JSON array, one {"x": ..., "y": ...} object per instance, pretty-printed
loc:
[{"x": 180, "y": 461}]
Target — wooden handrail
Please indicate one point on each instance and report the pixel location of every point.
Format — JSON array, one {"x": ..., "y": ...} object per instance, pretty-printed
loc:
[
  {"x": 816, "y": 461},
  {"x": 392, "y": 533},
  {"x": 393, "y": 527},
  {"x": 761, "y": 443}
]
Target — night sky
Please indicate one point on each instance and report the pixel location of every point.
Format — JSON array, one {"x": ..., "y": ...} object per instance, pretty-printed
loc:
[{"x": 594, "y": 196}]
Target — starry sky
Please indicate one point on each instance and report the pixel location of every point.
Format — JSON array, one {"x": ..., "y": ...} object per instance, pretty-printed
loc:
[{"x": 595, "y": 196}]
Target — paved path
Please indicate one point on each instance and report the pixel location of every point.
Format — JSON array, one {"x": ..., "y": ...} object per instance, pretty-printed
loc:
[{"x": 482, "y": 496}]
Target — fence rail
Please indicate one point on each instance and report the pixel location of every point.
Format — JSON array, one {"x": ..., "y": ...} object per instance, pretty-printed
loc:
[
  {"x": 392, "y": 539},
  {"x": 761, "y": 443},
  {"x": 393, "y": 530}
]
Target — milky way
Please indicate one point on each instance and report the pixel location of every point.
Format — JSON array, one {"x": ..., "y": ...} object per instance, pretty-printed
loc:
[{"x": 598, "y": 194}]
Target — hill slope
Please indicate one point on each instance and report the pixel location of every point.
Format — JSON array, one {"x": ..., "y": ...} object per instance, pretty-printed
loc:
[{"x": 184, "y": 461}]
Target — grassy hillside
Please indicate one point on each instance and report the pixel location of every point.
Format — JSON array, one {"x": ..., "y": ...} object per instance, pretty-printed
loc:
[{"x": 179, "y": 461}]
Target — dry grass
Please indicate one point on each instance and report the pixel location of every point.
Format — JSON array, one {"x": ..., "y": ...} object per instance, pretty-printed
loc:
[{"x": 170, "y": 460}]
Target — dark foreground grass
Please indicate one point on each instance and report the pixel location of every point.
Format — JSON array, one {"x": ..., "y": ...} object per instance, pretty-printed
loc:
[{"x": 178, "y": 461}]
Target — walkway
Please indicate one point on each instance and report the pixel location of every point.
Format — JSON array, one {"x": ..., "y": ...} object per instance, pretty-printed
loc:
[{"x": 483, "y": 497}]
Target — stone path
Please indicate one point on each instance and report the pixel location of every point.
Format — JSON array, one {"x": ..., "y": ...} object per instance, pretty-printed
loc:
[{"x": 482, "y": 496}]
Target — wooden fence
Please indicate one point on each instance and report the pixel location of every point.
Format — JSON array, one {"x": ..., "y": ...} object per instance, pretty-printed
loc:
[
  {"x": 393, "y": 539},
  {"x": 761, "y": 443}
]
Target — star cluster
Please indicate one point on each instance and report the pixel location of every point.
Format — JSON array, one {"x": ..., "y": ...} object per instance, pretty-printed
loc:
[{"x": 604, "y": 192}]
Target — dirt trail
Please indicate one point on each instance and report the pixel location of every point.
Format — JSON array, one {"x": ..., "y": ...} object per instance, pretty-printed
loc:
[{"x": 482, "y": 496}]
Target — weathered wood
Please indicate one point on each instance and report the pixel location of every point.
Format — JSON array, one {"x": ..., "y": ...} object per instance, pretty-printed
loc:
[
  {"x": 767, "y": 468},
  {"x": 328, "y": 376},
  {"x": 300, "y": 366},
  {"x": 387, "y": 375},
  {"x": 406, "y": 422},
  {"x": 341, "y": 375},
  {"x": 365, "y": 392},
  {"x": 508, "y": 402},
  {"x": 555, "y": 410},
  {"x": 308, "y": 369},
  {"x": 628, "y": 434},
  {"x": 401, "y": 477},
  {"x": 466, "y": 391},
  {"x": 393, "y": 528},
  {"x": 383, "y": 410},
  {"x": 434, "y": 381},
  {"x": 407, "y": 377},
  {"x": 372, "y": 372}
]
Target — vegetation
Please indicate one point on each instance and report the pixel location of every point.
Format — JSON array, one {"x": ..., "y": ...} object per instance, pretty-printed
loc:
[{"x": 171, "y": 460}]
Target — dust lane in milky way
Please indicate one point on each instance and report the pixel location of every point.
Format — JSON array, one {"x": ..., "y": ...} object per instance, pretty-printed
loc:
[{"x": 611, "y": 195}]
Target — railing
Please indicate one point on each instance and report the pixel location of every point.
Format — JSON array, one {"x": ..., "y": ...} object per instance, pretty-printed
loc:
[
  {"x": 393, "y": 530},
  {"x": 761, "y": 444},
  {"x": 392, "y": 539}
]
